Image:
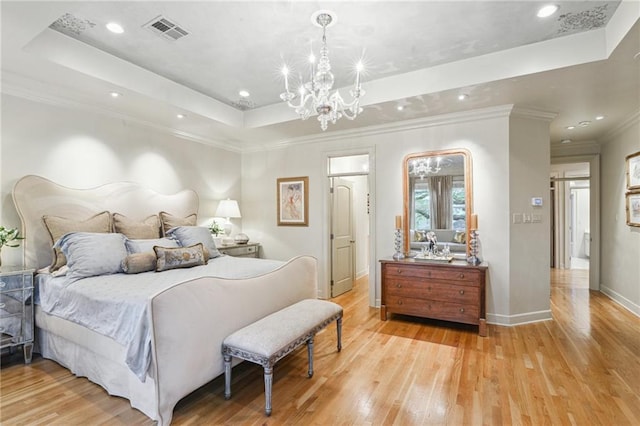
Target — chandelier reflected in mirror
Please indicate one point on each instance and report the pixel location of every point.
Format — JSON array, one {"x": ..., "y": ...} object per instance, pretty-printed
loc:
[
  {"x": 422, "y": 167},
  {"x": 315, "y": 95}
]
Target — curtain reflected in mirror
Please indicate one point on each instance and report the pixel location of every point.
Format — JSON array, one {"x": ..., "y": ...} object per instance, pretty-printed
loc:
[{"x": 437, "y": 197}]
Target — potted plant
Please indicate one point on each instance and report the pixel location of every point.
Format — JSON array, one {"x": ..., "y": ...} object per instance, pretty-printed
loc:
[{"x": 10, "y": 238}]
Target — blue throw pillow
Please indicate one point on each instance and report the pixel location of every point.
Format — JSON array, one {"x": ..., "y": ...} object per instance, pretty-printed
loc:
[
  {"x": 89, "y": 254},
  {"x": 191, "y": 235}
]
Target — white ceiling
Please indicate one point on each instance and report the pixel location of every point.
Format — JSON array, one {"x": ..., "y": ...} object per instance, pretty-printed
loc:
[{"x": 579, "y": 63}]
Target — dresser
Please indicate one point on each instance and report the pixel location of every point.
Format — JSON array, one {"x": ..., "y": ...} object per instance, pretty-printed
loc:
[
  {"x": 241, "y": 250},
  {"x": 16, "y": 309},
  {"x": 446, "y": 291}
]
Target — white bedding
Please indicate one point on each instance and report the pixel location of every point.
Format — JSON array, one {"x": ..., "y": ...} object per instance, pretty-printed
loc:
[{"x": 117, "y": 305}]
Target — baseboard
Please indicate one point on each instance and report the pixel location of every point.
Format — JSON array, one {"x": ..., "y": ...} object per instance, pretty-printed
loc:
[
  {"x": 620, "y": 300},
  {"x": 519, "y": 319}
]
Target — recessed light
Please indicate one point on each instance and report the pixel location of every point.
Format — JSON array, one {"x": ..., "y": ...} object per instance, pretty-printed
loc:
[
  {"x": 400, "y": 107},
  {"x": 115, "y": 94},
  {"x": 244, "y": 93},
  {"x": 115, "y": 28},
  {"x": 180, "y": 116},
  {"x": 570, "y": 127},
  {"x": 462, "y": 97},
  {"x": 565, "y": 141},
  {"x": 546, "y": 11},
  {"x": 584, "y": 123},
  {"x": 600, "y": 117}
]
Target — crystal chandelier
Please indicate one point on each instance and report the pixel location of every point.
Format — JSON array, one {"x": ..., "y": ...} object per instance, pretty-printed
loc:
[
  {"x": 315, "y": 95},
  {"x": 423, "y": 166}
]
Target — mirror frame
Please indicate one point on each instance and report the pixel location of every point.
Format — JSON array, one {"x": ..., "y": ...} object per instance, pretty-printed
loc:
[{"x": 468, "y": 186}]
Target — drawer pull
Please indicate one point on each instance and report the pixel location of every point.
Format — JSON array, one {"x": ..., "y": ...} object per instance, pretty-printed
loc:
[
  {"x": 461, "y": 275},
  {"x": 461, "y": 291},
  {"x": 398, "y": 271},
  {"x": 461, "y": 310},
  {"x": 2, "y": 284},
  {"x": 399, "y": 285},
  {"x": 399, "y": 302},
  {"x": 428, "y": 273}
]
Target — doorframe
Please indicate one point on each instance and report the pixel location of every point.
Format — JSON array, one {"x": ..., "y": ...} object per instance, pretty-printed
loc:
[
  {"x": 594, "y": 211},
  {"x": 326, "y": 225}
]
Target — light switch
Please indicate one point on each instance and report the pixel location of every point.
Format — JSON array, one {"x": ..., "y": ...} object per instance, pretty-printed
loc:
[
  {"x": 517, "y": 218},
  {"x": 526, "y": 218},
  {"x": 536, "y": 218}
]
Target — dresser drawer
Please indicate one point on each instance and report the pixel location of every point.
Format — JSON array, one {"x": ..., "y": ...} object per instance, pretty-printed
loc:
[
  {"x": 13, "y": 282},
  {"x": 11, "y": 302},
  {"x": 447, "y": 311},
  {"x": 440, "y": 273},
  {"x": 412, "y": 288}
]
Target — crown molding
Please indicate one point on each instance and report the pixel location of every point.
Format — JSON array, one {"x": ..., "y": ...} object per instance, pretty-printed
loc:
[
  {"x": 534, "y": 113},
  {"x": 628, "y": 122},
  {"x": 501, "y": 111},
  {"x": 12, "y": 88}
]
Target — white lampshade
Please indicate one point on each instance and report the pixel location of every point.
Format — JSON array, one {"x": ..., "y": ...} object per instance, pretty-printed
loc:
[{"x": 228, "y": 208}]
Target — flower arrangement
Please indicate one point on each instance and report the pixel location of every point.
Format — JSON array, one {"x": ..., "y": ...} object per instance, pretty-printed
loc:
[
  {"x": 9, "y": 237},
  {"x": 216, "y": 229}
]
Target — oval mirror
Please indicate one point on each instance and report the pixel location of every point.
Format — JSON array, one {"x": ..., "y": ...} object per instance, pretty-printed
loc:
[{"x": 438, "y": 199}]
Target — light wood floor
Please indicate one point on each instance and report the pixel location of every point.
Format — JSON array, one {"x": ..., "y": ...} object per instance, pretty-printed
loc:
[{"x": 582, "y": 368}]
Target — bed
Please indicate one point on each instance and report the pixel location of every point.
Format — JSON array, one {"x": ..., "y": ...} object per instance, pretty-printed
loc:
[{"x": 184, "y": 314}]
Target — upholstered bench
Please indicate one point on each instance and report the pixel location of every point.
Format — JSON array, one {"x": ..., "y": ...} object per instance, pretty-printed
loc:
[{"x": 270, "y": 339}]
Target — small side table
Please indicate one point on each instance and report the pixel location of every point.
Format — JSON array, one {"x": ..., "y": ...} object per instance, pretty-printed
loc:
[
  {"x": 16, "y": 309},
  {"x": 240, "y": 250}
]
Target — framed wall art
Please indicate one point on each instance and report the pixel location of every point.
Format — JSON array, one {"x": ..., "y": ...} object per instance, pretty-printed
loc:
[
  {"x": 633, "y": 171},
  {"x": 633, "y": 208},
  {"x": 293, "y": 201}
]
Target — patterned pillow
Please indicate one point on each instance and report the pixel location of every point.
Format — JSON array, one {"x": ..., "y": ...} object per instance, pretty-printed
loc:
[
  {"x": 170, "y": 221},
  {"x": 146, "y": 229},
  {"x": 460, "y": 237},
  {"x": 59, "y": 226},
  {"x": 420, "y": 236},
  {"x": 180, "y": 257}
]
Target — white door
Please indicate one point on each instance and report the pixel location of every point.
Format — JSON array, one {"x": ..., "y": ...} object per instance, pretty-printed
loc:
[{"x": 342, "y": 241}]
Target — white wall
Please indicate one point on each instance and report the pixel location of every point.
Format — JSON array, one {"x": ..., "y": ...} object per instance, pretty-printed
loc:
[
  {"x": 620, "y": 250},
  {"x": 82, "y": 149},
  {"x": 485, "y": 133},
  {"x": 529, "y": 242}
]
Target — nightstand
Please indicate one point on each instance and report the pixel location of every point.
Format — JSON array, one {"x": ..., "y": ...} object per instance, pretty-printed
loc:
[
  {"x": 241, "y": 250},
  {"x": 16, "y": 309}
]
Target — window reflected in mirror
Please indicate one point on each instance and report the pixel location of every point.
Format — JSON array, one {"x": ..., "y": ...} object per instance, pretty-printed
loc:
[
  {"x": 437, "y": 191},
  {"x": 437, "y": 198}
]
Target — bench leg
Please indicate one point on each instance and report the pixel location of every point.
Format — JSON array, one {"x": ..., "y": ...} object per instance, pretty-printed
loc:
[
  {"x": 310, "y": 353},
  {"x": 227, "y": 376},
  {"x": 339, "y": 328},
  {"x": 268, "y": 382}
]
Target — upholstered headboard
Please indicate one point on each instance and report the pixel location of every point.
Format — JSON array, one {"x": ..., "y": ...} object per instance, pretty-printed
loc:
[{"x": 36, "y": 196}]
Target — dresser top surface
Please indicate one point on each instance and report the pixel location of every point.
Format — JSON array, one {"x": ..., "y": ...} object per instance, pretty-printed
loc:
[{"x": 453, "y": 264}]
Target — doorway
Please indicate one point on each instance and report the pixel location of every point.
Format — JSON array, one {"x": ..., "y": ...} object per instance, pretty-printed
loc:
[
  {"x": 572, "y": 204},
  {"x": 349, "y": 221}
]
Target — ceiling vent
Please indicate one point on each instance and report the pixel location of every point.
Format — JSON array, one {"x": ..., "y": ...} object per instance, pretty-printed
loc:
[{"x": 166, "y": 28}]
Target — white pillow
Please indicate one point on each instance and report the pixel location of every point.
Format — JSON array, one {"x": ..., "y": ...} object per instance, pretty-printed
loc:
[
  {"x": 192, "y": 235},
  {"x": 143, "y": 246},
  {"x": 89, "y": 254}
]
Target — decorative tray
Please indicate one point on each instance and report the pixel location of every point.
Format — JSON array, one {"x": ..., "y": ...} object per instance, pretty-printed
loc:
[{"x": 439, "y": 259}]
